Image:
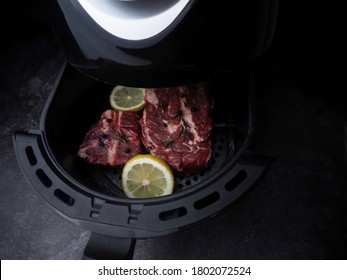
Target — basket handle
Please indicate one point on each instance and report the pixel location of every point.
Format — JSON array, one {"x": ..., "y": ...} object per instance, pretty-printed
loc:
[{"x": 103, "y": 247}]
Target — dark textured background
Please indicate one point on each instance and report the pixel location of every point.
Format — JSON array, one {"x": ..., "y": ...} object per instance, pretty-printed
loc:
[{"x": 297, "y": 210}]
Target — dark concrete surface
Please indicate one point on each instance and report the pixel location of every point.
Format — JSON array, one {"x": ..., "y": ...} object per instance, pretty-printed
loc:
[{"x": 296, "y": 211}]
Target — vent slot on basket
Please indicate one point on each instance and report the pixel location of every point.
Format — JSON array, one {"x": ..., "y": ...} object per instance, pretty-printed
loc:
[
  {"x": 43, "y": 178},
  {"x": 30, "y": 155},
  {"x": 236, "y": 180},
  {"x": 64, "y": 197},
  {"x": 207, "y": 200},
  {"x": 172, "y": 214}
]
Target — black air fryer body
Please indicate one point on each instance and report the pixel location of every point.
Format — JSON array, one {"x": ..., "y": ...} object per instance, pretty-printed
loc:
[
  {"x": 192, "y": 48},
  {"x": 205, "y": 37}
]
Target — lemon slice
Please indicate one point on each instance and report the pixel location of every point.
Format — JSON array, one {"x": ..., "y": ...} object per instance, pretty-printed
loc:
[
  {"x": 127, "y": 98},
  {"x": 145, "y": 176}
]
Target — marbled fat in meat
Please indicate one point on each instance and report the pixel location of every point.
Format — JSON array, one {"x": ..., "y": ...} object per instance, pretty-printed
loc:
[
  {"x": 113, "y": 140},
  {"x": 177, "y": 126}
]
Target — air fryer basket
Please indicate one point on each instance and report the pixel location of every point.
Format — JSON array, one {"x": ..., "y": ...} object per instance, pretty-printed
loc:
[{"x": 91, "y": 197}]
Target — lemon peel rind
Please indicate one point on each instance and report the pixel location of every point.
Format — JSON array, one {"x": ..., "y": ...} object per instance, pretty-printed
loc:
[
  {"x": 117, "y": 107},
  {"x": 157, "y": 163}
]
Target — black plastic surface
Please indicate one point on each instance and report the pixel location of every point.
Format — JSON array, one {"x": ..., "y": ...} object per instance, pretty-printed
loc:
[
  {"x": 75, "y": 189},
  {"x": 101, "y": 247},
  {"x": 205, "y": 38},
  {"x": 296, "y": 211}
]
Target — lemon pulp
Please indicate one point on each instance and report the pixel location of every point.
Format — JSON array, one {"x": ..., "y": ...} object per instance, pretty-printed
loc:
[
  {"x": 145, "y": 176},
  {"x": 127, "y": 98}
]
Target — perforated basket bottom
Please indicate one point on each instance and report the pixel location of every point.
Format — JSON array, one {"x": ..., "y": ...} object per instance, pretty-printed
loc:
[{"x": 223, "y": 148}]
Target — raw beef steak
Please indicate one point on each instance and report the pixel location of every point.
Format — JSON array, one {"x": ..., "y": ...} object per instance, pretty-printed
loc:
[
  {"x": 113, "y": 140},
  {"x": 177, "y": 126}
]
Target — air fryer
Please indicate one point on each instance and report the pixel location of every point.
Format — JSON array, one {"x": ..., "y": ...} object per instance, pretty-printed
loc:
[{"x": 146, "y": 43}]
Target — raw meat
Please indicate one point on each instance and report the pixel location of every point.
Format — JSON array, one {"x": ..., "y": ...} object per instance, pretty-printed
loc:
[
  {"x": 177, "y": 126},
  {"x": 113, "y": 140}
]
